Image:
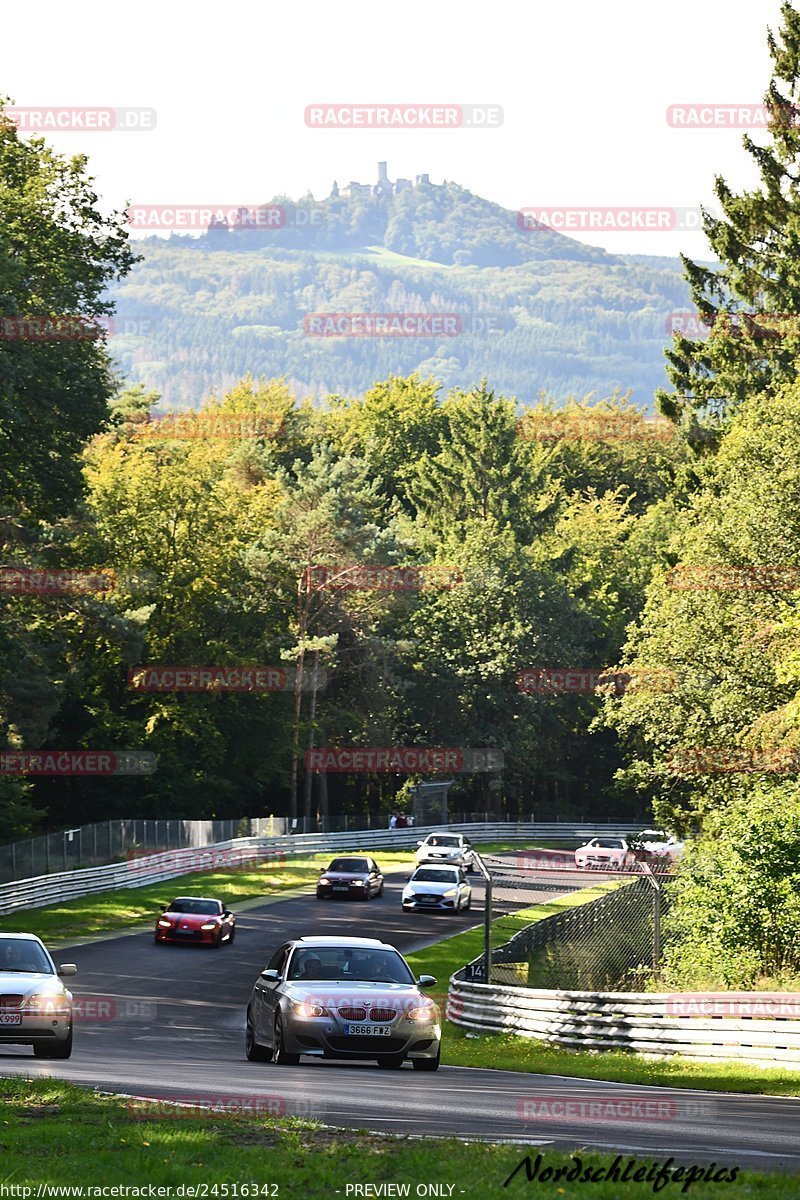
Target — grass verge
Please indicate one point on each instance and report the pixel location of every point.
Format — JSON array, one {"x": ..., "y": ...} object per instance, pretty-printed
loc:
[{"x": 52, "y": 1133}]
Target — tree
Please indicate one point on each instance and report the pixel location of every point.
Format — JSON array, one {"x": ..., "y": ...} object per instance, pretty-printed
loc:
[
  {"x": 734, "y": 915},
  {"x": 723, "y": 622},
  {"x": 752, "y": 300},
  {"x": 57, "y": 257}
]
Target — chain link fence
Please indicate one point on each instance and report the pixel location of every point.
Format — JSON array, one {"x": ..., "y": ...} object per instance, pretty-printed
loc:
[
  {"x": 607, "y": 941},
  {"x": 110, "y": 841}
]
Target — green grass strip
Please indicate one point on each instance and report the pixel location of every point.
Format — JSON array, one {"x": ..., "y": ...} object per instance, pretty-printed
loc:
[{"x": 52, "y": 1133}]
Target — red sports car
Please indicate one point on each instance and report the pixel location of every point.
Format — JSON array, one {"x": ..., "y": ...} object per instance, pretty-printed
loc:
[{"x": 195, "y": 919}]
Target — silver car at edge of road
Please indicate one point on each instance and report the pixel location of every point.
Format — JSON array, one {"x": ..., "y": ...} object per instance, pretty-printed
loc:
[
  {"x": 35, "y": 1007},
  {"x": 433, "y": 887},
  {"x": 342, "y": 997}
]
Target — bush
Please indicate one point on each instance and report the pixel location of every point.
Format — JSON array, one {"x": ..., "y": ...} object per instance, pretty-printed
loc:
[{"x": 734, "y": 913}]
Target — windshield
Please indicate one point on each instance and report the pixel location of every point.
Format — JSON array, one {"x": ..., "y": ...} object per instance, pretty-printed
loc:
[
  {"x": 609, "y": 843},
  {"x": 431, "y": 875},
  {"x": 349, "y": 864},
  {"x": 22, "y": 955},
  {"x": 443, "y": 841},
  {"x": 347, "y": 965},
  {"x": 200, "y": 908}
]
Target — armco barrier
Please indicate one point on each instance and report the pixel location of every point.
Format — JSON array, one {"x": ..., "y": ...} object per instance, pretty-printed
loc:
[
  {"x": 648, "y": 1023},
  {"x": 68, "y": 885}
]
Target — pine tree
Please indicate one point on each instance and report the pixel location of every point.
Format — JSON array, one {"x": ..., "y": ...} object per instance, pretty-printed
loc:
[{"x": 752, "y": 300}]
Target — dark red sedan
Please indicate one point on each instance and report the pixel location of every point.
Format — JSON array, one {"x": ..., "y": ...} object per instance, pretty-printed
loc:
[{"x": 195, "y": 919}]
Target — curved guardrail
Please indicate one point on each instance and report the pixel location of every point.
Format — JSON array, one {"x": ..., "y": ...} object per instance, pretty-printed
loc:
[{"x": 758, "y": 1027}]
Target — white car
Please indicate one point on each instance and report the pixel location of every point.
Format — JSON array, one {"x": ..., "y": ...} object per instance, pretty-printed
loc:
[
  {"x": 659, "y": 842},
  {"x": 452, "y": 848},
  {"x": 435, "y": 887},
  {"x": 612, "y": 852},
  {"x": 35, "y": 1007}
]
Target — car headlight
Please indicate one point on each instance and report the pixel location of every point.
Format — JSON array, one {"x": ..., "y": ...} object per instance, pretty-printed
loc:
[
  {"x": 209, "y": 925},
  {"x": 450, "y": 893},
  {"x": 325, "y": 882},
  {"x": 163, "y": 923},
  {"x": 47, "y": 1002},
  {"x": 304, "y": 1008},
  {"x": 426, "y": 1011},
  {"x": 358, "y": 883}
]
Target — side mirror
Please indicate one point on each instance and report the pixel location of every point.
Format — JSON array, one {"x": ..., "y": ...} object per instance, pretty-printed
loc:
[
  {"x": 426, "y": 980},
  {"x": 67, "y": 969},
  {"x": 164, "y": 907},
  {"x": 227, "y": 914},
  {"x": 270, "y": 976},
  {"x": 419, "y": 843}
]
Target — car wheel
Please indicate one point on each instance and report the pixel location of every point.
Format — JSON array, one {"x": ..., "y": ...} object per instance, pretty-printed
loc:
[
  {"x": 280, "y": 1055},
  {"x": 427, "y": 1064},
  {"x": 380, "y": 893},
  {"x": 367, "y": 894},
  {"x": 217, "y": 941},
  {"x": 254, "y": 1052},
  {"x": 47, "y": 1049},
  {"x": 232, "y": 937},
  {"x": 391, "y": 1062},
  {"x": 468, "y": 905}
]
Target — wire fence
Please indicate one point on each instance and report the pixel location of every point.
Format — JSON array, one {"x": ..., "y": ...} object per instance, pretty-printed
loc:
[
  {"x": 608, "y": 939},
  {"x": 109, "y": 841}
]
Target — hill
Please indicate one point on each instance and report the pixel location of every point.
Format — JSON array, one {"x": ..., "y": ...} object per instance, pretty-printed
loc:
[{"x": 536, "y": 311}]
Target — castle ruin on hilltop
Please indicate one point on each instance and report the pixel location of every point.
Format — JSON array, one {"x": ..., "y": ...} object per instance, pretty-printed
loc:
[{"x": 383, "y": 187}]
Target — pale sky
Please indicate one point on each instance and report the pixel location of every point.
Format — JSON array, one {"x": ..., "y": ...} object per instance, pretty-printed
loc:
[{"x": 584, "y": 89}]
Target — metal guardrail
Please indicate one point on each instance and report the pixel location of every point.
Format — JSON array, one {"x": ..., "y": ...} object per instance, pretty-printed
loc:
[
  {"x": 693, "y": 1024},
  {"x": 36, "y": 892}
]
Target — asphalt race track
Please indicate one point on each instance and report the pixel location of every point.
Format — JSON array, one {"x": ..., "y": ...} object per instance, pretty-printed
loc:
[{"x": 168, "y": 1022}]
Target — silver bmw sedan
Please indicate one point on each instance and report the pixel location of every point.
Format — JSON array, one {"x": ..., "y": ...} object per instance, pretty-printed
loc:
[{"x": 342, "y": 997}]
